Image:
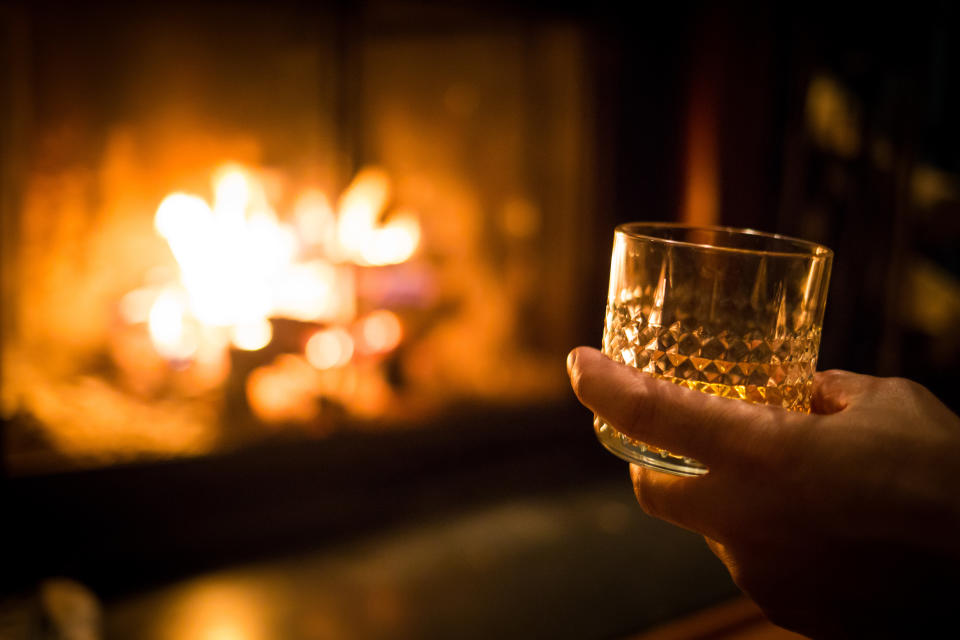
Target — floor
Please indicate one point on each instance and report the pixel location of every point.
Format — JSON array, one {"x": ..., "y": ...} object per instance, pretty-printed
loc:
[
  {"x": 585, "y": 563},
  {"x": 580, "y": 563}
]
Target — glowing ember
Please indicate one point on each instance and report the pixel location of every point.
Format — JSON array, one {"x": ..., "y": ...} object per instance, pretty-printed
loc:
[
  {"x": 281, "y": 393},
  {"x": 380, "y": 332},
  {"x": 329, "y": 348}
]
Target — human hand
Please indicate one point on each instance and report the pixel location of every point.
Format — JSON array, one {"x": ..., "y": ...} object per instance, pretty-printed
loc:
[{"x": 840, "y": 523}]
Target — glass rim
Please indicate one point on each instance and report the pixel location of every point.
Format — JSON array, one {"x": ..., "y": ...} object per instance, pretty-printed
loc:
[{"x": 804, "y": 248}]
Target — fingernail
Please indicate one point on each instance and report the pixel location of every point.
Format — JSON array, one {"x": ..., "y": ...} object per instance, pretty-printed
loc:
[{"x": 571, "y": 361}]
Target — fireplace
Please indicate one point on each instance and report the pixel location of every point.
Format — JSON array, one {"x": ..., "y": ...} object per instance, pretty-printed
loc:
[
  {"x": 234, "y": 225},
  {"x": 277, "y": 274}
]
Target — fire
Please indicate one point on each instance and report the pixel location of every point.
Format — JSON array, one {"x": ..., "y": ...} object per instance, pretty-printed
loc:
[
  {"x": 169, "y": 329},
  {"x": 253, "y": 336},
  {"x": 240, "y": 265},
  {"x": 392, "y": 243},
  {"x": 231, "y": 255},
  {"x": 316, "y": 290},
  {"x": 363, "y": 239},
  {"x": 380, "y": 331}
]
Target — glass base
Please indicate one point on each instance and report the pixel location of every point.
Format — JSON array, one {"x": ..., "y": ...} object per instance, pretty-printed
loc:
[{"x": 631, "y": 450}]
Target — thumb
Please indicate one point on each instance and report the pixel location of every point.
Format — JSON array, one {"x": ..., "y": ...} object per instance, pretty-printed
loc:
[{"x": 665, "y": 415}]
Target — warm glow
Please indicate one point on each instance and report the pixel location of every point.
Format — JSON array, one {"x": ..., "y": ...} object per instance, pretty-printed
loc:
[
  {"x": 833, "y": 116},
  {"x": 217, "y": 609},
  {"x": 240, "y": 266},
  {"x": 329, "y": 348},
  {"x": 135, "y": 306},
  {"x": 252, "y": 336},
  {"x": 230, "y": 256},
  {"x": 239, "y": 263},
  {"x": 171, "y": 335},
  {"x": 179, "y": 215},
  {"x": 360, "y": 207},
  {"x": 316, "y": 291},
  {"x": 282, "y": 392},
  {"x": 380, "y": 332},
  {"x": 316, "y": 222},
  {"x": 392, "y": 243},
  {"x": 361, "y": 237},
  {"x": 231, "y": 192},
  {"x": 702, "y": 188}
]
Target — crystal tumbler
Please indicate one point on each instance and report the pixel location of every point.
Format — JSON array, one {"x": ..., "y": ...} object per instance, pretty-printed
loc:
[{"x": 730, "y": 312}]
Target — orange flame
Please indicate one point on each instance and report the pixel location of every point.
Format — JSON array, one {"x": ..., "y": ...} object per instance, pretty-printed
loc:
[
  {"x": 239, "y": 266},
  {"x": 361, "y": 237},
  {"x": 172, "y": 335}
]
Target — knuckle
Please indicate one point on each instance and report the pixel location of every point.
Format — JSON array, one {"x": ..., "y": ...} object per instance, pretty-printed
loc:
[
  {"x": 902, "y": 385},
  {"x": 903, "y": 390}
]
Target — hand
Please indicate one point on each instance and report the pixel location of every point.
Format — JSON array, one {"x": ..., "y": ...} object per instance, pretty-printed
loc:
[{"x": 844, "y": 522}]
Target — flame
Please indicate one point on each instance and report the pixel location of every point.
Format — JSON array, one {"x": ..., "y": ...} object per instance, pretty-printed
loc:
[
  {"x": 231, "y": 194},
  {"x": 253, "y": 336},
  {"x": 134, "y": 307},
  {"x": 173, "y": 337},
  {"x": 361, "y": 238},
  {"x": 360, "y": 207},
  {"x": 393, "y": 243},
  {"x": 177, "y": 214},
  {"x": 229, "y": 255},
  {"x": 316, "y": 221},
  {"x": 316, "y": 290},
  {"x": 239, "y": 266}
]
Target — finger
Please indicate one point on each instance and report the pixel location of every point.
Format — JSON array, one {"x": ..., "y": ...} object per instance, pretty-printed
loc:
[
  {"x": 668, "y": 416},
  {"x": 834, "y": 390},
  {"x": 687, "y": 502},
  {"x": 718, "y": 549}
]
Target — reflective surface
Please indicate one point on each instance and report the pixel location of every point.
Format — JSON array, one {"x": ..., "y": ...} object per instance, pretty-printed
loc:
[{"x": 560, "y": 565}]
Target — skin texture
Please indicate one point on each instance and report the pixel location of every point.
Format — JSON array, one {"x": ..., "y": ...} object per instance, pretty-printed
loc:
[{"x": 840, "y": 523}]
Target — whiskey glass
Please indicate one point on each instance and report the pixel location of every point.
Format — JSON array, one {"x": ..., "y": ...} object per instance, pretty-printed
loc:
[{"x": 731, "y": 312}]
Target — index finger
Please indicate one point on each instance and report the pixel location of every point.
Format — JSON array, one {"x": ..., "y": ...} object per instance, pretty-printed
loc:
[{"x": 686, "y": 422}]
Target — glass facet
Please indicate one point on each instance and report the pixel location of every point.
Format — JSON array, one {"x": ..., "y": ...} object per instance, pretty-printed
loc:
[{"x": 730, "y": 312}]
